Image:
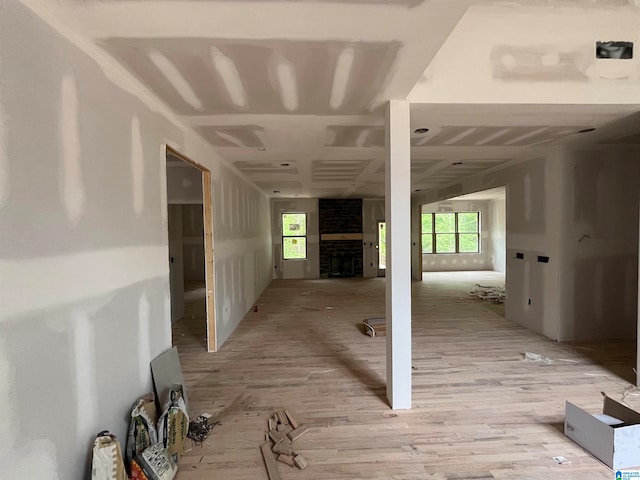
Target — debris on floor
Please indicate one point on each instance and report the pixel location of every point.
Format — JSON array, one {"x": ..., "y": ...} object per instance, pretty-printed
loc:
[
  {"x": 375, "y": 327},
  {"x": 535, "y": 357},
  {"x": 283, "y": 428},
  {"x": 489, "y": 293},
  {"x": 200, "y": 428},
  {"x": 561, "y": 460}
]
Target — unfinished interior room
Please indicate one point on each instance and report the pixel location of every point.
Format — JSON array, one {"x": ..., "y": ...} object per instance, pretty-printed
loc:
[{"x": 245, "y": 182}]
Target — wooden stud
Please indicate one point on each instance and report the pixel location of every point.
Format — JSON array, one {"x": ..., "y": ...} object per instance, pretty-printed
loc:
[
  {"x": 271, "y": 425},
  {"x": 293, "y": 420},
  {"x": 288, "y": 459},
  {"x": 284, "y": 428},
  {"x": 298, "y": 432},
  {"x": 282, "y": 418},
  {"x": 270, "y": 462},
  {"x": 301, "y": 462}
]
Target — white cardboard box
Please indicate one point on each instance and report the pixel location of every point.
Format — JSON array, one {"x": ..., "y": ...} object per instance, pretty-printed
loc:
[{"x": 616, "y": 444}]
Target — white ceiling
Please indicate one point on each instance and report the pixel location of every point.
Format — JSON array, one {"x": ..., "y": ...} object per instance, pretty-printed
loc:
[{"x": 291, "y": 92}]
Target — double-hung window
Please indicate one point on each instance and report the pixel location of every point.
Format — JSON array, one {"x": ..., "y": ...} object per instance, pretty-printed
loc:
[
  {"x": 451, "y": 232},
  {"x": 294, "y": 236}
]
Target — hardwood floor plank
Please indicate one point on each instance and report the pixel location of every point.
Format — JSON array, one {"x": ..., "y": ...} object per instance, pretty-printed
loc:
[{"x": 480, "y": 410}]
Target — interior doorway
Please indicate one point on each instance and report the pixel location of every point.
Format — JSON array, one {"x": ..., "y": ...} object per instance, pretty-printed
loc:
[
  {"x": 382, "y": 248},
  {"x": 190, "y": 233}
]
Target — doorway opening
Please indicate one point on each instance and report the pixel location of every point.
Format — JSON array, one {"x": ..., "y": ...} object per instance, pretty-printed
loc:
[{"x": 190, "y": 232}]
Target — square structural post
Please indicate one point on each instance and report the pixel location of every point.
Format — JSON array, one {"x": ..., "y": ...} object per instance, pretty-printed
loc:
[{"x": 398, "y": 272}]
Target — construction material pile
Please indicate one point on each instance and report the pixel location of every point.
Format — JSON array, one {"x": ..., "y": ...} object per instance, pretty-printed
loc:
[
  {"x": 283, "y": 429},
  {"x": 490, "y": 293}
]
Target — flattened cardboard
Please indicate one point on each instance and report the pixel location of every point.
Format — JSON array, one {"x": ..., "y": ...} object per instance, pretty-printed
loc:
[{"x": 617, "y": 446}]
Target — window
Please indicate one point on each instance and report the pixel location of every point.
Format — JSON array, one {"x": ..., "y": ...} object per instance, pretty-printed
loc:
[
  {"x": 451, "y": 232},
  {"x": 294, "y": 235}
]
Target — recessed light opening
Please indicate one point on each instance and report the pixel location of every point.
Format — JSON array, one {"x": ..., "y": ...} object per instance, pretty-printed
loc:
[
  {"x": 456, "y": 163},
  {"x": 586, "y": 130},
  {"x": 421, "y": 130},
  {"x": 615, "y": 50}
]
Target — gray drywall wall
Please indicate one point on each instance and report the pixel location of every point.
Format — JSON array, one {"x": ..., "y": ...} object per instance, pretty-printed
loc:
[
  {"x": 498, "y": 234},
  {"x": 176, "y": 262},
  {"x": 193, "y": 243},
  {"x": 461, "y": 261},
  {"x": 310, "y": 267},
  {"x": 372, "y": 212},
  {"x": 84, "y": 242},
  {"x": 184, "y": 183},
  {"x": 533, "y": 228},
  {"x": 599, "y": 272}
]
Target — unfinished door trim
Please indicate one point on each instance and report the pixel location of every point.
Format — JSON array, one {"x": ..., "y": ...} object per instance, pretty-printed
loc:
[{"x": 209, "y": 274}]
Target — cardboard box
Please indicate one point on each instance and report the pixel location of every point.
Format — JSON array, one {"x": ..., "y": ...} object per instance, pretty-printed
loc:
[{"x": 613, "y": 437}]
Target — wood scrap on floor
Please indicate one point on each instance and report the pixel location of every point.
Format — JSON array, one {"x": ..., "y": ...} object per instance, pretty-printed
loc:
[
  {"x": 375, "y": 327},
  {"x": 270, "y": 462},
  {"x": 283, "y": 428}
]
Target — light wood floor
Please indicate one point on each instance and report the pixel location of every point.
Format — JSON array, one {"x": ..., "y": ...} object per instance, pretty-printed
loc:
[{"x": 479, "y": 410}]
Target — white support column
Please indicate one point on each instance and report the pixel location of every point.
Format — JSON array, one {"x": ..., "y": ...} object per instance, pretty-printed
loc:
[{"x": 398, "y": 272}]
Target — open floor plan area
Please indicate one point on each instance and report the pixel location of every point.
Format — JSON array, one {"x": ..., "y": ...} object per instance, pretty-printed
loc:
[
  {"x": 319, "y": 239},
  {"x": 481, "y": 409}
]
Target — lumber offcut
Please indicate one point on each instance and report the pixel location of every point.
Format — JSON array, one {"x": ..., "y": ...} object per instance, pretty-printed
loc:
[
  {"x": 270, "y": 462},
  {"x": 298, "y": 432},
  {"x": 301, "y": 462},
  {"x": 293, "y": 420}
]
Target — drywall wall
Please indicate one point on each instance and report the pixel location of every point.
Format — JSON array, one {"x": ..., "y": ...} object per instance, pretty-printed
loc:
[
  {"x": 176, "y": 262},
  {"x": 461, "y": 261},
  {"x": 498, "y": 234},
  {"x": 372, "y": 212},
  {"x": 184, "y": 182},
  {"x": 83, "y": 216},
  {"x": 533, "y": 227},
  {"x": 599, "y": 269},
  {"x": 193, "y": 243},
  {"x": 309, "y": 267}
]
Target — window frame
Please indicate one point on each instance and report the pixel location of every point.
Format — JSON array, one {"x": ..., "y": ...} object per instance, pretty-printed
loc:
[
  {"x": 456, "y": 233},
  {"x": 283, "y": 236}
]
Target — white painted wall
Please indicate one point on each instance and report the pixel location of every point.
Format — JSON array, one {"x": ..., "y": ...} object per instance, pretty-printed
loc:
[
  {"x": 84, "y": 245},
  {"x": 461, "y": 261},
  {"x": 372, "y": 212},
  {"x": 498, "y": 234},
  {"x": 310, "y": 267}
]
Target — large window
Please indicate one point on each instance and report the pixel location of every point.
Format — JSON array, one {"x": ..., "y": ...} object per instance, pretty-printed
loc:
[
  {"x": 451, "y": 232},
  {"x": 294, "y": 235}
]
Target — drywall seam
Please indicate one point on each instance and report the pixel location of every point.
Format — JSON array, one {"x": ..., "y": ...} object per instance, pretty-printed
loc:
[
  {"x": 5, "y": 182},
  {"x": 85, "y": 373},
  {"x": 126, "y": 81},
  {"x": 137, "y": 167},
  {"x": 72, "y": 190},
  {"x": 46, "y": 282},
  {"x": 144, "y": 340}
]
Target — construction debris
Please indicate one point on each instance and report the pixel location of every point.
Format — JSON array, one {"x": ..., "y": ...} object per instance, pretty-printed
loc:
[
  {"x": 489, "y": 293},
  {"x": 375, "y": 327},
  {"x": 200, "y": 428},
  {"x": 284, "y": 428}
]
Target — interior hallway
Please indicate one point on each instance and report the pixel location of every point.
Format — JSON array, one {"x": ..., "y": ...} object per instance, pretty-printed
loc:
[{"x": 479, "y": 410}]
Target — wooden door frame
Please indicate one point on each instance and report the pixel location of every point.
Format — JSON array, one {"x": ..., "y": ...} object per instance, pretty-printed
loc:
[{"x": 209, "y": 273}]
